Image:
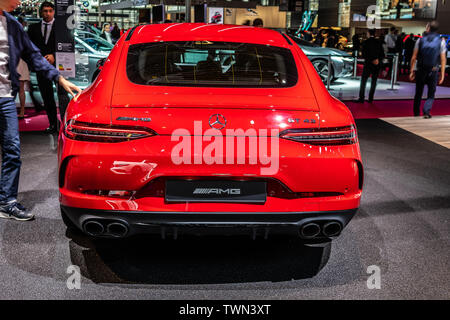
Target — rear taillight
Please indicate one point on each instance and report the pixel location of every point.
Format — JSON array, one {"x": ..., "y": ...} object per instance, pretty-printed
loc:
[
  {"x": 95, "y": 132},
  {"x": 323, "y": 136}
]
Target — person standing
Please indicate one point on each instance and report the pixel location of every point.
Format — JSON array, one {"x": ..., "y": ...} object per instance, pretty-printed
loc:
[
  {"x": 308, "y": 36},
  {"x": 15, "y": 44},
  {"x": 390, "y": 40},
  {"x": 409, "y": 48},
  {"x": 429, "y": 52},
  {"x": 356, "y": 44},
  {"x": 115, "y": 33},
  {"x": 319, "y": 38},
  {"x": 373, "y": 54},
  {"x": 42, "y": 34},
  {"x": 106, "y": 32},
  {"x": 258, "y": 22},
  {"x": 24, "y": 79},
  {"x": 331, "y": 39},
  {"x": 399, "y": 48}
]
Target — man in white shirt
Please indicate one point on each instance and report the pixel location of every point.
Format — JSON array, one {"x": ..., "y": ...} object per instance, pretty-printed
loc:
[
  {"x": 5, "y": 83},
  {"x": 390, "y": 39},
  {"x": 14, "y": 45}
]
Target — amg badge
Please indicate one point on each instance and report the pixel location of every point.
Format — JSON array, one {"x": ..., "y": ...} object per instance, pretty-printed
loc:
[
  {"x": 216, "y": 191},
  {"x": 219, "y": 191}
]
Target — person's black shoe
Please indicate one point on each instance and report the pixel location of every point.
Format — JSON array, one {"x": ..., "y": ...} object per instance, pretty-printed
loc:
[
  {"x": 427, "y": 116},
  {"x": 51, "y": 129},
  {"x": 370, "y": 100},
  {"x": 15, "y": 211},
  {"x": 359, "y": 101}
]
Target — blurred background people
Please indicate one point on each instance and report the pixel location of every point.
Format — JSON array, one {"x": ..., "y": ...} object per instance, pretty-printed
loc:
[
  {"x": 331, "y": 40},
  {"x": 106, "y": 32},
  {"x": 307, "y": 36},
  {"x": 258, "y": 23},
  {"x": 390, "y": 40},
  {"x": 356, "y": 44},
  {"x": 319, "y": 38},
  {"x": 429, "y": 52},
  {"x": 399, "y": 48},
  {"x": 409, "y": 48},
  {"x": 115, "y": 33},
  {"x": 373, "y": 54},
  {"x": 24, "y": 79}
]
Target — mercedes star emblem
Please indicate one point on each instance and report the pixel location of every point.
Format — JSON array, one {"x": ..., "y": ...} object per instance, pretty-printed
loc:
[{"x": 217, "y": 121}]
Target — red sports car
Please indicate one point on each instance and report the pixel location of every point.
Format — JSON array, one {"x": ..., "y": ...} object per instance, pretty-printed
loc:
[{"x": 208, "y": 127}]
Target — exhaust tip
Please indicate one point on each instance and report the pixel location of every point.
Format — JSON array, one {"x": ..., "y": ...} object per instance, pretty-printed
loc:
[
  {"x": 309, "y": 230},
  {"x": 332, "y": 229},
  {"x": 117, "y": 229},
  {"x": 93, "y": 228}
]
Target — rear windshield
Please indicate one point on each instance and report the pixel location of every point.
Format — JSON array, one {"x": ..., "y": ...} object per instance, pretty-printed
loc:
[{"x": 211, "y": 64}]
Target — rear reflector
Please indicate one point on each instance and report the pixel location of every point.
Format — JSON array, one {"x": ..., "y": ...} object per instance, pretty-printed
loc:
[
  {"x": 323, "y": 136},
  {"x": 85, "y": 131}
]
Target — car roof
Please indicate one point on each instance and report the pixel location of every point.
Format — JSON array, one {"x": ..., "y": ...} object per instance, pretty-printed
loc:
[{"x": 205, "y": 31}]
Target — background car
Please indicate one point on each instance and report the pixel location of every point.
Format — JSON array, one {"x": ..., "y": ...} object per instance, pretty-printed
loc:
[
  {"x": 341, "y": 61},
  {"x": 88, "y": 51}
]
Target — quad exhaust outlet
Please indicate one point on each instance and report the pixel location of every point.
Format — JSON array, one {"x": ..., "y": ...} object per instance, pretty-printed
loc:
[
  {"x": 116, "y": 229},
  {"x": 312, "y": 230}
]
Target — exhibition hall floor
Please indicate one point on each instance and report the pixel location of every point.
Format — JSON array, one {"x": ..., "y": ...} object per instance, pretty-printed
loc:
[
  {"x": 348, "y": 89},
  {"x": 403, "y": 227}
]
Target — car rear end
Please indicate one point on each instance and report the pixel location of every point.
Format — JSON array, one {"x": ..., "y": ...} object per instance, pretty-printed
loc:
[{"x": 200, "y": 132}]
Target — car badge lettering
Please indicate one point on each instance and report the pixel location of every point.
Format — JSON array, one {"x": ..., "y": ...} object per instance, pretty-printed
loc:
[
  {"x": 217, "y": 191},
  {"x": 298, "y": 120}
]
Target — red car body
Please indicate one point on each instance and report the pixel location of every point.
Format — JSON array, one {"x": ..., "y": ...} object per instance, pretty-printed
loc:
[{"x": 119, "y": 188}]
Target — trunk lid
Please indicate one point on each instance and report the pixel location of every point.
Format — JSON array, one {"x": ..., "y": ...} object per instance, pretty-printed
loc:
[{"x": 165, "y": 113}]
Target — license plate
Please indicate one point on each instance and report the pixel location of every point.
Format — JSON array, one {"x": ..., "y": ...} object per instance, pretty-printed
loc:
[{"x": 216, "y": 191}]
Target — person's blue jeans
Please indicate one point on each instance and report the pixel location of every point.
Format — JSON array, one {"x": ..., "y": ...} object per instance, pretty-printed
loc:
[
  {"x": 10, "y": 143},
  {"x": 429, "y": 78}
]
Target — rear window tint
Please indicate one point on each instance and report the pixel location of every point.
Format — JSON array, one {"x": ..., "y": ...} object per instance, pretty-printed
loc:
[{"x": 211, "y": 64}]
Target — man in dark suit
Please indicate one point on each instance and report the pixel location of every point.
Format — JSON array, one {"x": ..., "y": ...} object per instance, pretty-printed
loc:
[
  {"x": 42, "y": 34},
  {"x": 373, "y": 54}
]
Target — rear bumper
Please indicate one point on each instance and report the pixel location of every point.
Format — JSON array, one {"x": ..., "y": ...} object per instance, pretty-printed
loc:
[{"x": 139, "y": 222}]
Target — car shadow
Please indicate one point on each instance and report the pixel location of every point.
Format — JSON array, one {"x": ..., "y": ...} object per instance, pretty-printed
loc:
[{"x": 195, "y": 260}]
